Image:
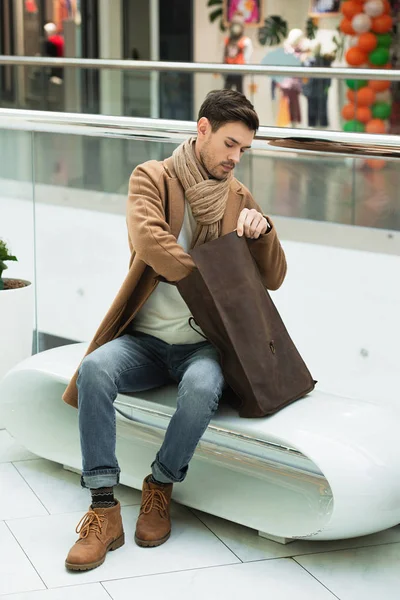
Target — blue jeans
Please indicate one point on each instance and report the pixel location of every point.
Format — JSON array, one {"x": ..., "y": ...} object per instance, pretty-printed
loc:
[{"x": 139, "y": 362}]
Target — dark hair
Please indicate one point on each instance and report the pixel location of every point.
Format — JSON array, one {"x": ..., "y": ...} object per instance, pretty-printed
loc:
[{"x": 227, "y": 106}]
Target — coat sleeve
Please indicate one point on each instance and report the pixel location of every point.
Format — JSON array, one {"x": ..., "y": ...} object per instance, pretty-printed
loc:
[
  {"x": 148, "y": 230},
  {"x": 267, "y": 252}
]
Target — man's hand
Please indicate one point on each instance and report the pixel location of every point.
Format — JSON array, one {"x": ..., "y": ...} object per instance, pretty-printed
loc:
[{"x": 251, "y": 223}]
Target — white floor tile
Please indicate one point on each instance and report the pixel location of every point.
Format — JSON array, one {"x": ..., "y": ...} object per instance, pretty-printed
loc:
[
  {"x": 277, "y": 579},
  {"x": 60, "y": 490},
  {"x": 10, "y": 450},
  {"x": 47, "y": 540},
  {"x": 361, "y": 574},
  {"x": 248, "y": 545},
  {"x": 90, "y": 591},
  {"x": 16, "y": 499},
  {"x": 16, "y": 572}
]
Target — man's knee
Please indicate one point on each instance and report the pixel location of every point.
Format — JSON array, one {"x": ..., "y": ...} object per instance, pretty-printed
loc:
[
  {"x": 95, "y": 370},
  {"x": 90, "y": 367},
  {"x": 201, "y": 395}
]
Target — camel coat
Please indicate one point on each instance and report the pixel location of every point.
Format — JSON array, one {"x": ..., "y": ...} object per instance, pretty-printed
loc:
[{"x": 155, "y": 213}]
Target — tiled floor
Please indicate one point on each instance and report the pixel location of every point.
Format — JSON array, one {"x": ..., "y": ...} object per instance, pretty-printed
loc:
[{"x": 206, "y": 557}]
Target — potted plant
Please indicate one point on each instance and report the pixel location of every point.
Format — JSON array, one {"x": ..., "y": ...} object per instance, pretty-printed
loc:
[{"x": 16, "y": 316}]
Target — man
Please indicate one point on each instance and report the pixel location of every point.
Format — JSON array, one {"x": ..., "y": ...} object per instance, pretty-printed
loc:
[
  {"x": 145, "y": 339},
  {"x": 54, "y": 47}
]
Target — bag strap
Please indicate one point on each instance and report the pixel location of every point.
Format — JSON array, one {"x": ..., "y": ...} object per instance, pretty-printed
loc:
[{"x": 194, "y": 328}]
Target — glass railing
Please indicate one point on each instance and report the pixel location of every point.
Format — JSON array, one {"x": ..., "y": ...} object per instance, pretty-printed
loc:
[
  {"x": 321, "y": 96},
  {"x": 63, "y": 189}
]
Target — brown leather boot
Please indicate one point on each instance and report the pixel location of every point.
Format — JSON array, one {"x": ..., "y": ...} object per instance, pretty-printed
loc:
[
  {"x": 100, "y": 530},
  {"x": 153, "y": 526}
]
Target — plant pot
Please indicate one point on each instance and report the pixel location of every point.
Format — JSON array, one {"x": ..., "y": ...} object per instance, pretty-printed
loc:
[{"x": 16, "y": 327}]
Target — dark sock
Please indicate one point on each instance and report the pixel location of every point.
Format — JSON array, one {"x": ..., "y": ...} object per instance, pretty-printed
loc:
[
  {"x": 152, "y": 480},
  {"x": 103, "y": 498}
]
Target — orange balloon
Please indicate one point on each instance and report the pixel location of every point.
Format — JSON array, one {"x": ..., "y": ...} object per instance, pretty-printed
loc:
[
  {"x": 363, "y": 114},
  {"x": 367, "y": 42},
  {"x": 379, "y": 85},
  {"x": 375, "y": 126},
  {"x": 363, "y": 97},
  {"x": 348, "y": 112},
  {"x": 346, "y": 27},
  {"x": 356, "y": 57},
  {"x": 382, "y": 24},
  {"x": 375, "y": 163},
  {"x": 351, "y": 9}
]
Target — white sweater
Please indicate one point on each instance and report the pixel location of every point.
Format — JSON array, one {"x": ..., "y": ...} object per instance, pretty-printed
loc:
[{"x": 165, "y": 315}]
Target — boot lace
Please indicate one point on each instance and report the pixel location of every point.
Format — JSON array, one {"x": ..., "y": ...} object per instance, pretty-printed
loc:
[
  {"x": 154, "y": 500},
  {"x": 90, "y": 522}
]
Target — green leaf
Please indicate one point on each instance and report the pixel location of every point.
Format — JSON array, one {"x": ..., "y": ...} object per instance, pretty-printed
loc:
[
  {"x": 3, "y": 267},
  {"x": 214, "y": 2},
  {"x": 273, "y": 31},
  {"x": 5, "y": 253},
  {"x": 215, "y": 14},
  {"x": 311, "y": 29},
  {"x": 339, "y": 45}
]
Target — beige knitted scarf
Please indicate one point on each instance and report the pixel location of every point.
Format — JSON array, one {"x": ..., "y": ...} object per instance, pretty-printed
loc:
[{"x": 207, "y": 197}]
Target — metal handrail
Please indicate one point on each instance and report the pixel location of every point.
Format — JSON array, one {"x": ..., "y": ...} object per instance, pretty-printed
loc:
[
  {"x": 163, "y": 130},
  {"x": 154, "y": 66}
]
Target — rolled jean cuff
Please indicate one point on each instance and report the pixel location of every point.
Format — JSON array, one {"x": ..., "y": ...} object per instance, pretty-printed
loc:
[
  {"x": 98, "y": 479},
  {"x": 161, "y": 474}
]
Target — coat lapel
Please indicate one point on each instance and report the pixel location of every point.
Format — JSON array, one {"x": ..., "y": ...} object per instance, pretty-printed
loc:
[
  {"x": 176, "y": 206},
  {"x": 175, "y": 199},
  {"x": 235, "y": 204}
]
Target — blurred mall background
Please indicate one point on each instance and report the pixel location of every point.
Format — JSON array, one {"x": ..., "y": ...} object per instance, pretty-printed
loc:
[{"x": 190, "y": 31}]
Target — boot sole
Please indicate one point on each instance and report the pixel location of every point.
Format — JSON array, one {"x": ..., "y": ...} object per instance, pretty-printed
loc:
[
  {"x": 151, "y": 543},
  {"x": 88, "y": 566}
]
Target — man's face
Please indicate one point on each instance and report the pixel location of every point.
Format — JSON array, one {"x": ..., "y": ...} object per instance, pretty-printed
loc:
[{"x": 221, "y": 151}]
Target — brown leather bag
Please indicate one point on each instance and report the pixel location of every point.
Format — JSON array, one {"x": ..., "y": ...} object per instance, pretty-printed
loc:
[{"x": 229, "y": 302}]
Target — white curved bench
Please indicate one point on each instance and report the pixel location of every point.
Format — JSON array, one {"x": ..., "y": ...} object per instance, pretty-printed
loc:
[{"x": 325, "y": 467}]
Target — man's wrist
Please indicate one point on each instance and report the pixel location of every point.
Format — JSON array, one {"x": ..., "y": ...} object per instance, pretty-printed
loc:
[{"x": 269, "y": 226}]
